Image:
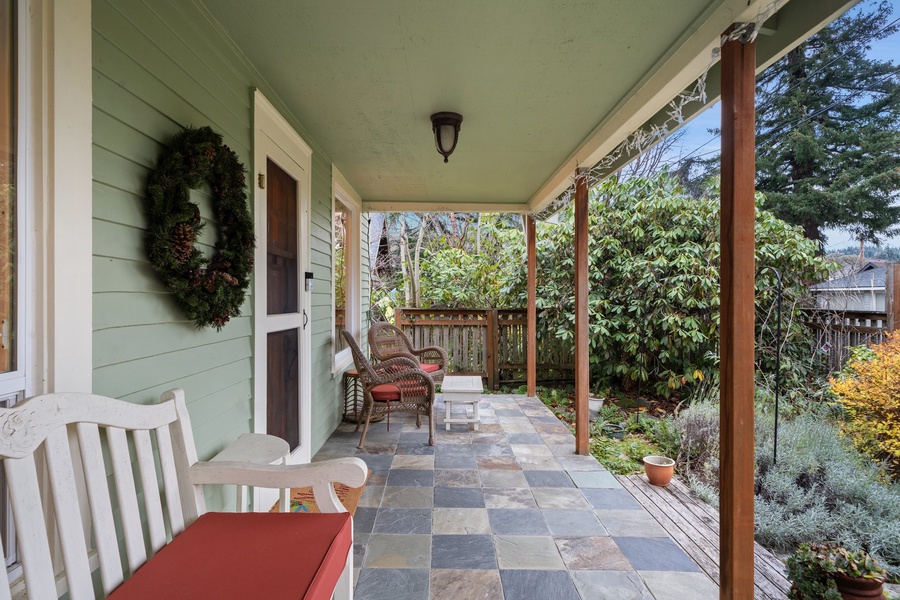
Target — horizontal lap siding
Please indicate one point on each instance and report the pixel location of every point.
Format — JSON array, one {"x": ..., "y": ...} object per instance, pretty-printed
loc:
[
  {"x": 159, "y": 66},
  {"x": 153, "y": 73},
  {"x": 325, "y": 412}
]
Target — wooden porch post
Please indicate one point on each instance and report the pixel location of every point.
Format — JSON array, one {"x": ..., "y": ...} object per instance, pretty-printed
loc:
[
  {"x": 737, "y": 315},
  {"x": 892, "y": 295},
  {"x": 582, "y": 363},
  {"x": 531, "y": 359}
]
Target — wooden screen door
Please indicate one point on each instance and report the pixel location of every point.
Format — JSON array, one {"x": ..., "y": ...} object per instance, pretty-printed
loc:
[
  {"x": 282, "y": 387},
  {"x": 282, "y": 300}
]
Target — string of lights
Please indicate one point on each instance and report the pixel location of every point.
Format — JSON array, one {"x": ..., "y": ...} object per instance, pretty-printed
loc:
[{"x": 644, "y": 138}]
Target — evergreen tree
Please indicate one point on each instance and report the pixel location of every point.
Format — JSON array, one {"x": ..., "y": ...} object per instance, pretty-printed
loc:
[{"x": 828, "y": 130}]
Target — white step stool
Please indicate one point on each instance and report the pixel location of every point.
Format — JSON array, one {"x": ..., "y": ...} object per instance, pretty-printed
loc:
[{"x": 462, "y": 389}]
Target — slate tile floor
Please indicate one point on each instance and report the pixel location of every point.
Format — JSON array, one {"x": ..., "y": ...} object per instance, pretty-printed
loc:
[{"x": 505, "y": 512}]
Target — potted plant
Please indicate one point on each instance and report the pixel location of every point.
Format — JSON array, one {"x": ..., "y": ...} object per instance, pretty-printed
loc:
[
  {"x": 858, "y": 575},
  {"x": 831, "y": 572},
  {"x": 659, "y": 469}
]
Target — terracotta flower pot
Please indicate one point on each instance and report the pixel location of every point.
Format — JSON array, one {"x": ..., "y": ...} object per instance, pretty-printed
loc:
[
  {"x": 858, "y": 588},
  {"x": 659, "y": 469}
]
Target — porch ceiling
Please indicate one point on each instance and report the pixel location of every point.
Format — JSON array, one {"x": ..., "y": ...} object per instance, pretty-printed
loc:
[{"x": 542, "y": 86}]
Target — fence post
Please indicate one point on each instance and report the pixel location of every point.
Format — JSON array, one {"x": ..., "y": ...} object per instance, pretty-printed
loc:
[
  {"x": 398, "y": 317},
  {"x": 530, "y": 340},
  {"x": 892, "y": 294},
  {"x": 496, "y": 343},
  {"x": 491, "y": 348}
]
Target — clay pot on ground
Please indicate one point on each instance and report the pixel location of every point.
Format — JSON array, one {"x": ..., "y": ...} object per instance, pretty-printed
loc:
[
  {"x": 859, "y": 588},
  {"x": 659, "y": 469}
]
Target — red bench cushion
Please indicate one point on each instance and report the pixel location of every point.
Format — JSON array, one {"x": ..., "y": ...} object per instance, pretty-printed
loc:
[{"x": 247, "y": 555}]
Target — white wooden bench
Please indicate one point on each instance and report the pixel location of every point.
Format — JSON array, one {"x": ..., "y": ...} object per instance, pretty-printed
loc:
[{"x": 138, "y": 467}]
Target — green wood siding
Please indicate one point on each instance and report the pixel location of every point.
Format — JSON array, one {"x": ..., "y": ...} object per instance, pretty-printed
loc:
[{"x": 158, "y": 67}]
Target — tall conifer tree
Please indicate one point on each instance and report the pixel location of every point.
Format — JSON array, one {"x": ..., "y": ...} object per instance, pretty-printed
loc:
[{"x": 828, "y": 130}]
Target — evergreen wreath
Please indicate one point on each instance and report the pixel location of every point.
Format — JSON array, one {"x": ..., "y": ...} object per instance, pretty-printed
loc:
[{"x": 210, "y": 290}]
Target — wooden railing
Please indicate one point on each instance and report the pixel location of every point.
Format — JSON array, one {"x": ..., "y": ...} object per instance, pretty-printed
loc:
[
  {"x": 838, "y": 331},
  {"x": 491, "y": 343}
]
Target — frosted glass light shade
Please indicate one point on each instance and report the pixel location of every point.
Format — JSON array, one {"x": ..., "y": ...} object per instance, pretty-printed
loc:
[{"x": 445, "y": 126}]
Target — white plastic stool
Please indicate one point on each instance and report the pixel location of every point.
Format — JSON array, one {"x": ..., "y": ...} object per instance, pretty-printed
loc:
[
  {"x": 464, "y": 390},
  {"x": 259, "y": 449}
]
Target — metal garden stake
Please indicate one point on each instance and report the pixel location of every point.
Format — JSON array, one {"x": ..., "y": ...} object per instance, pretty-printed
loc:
[{"x": 777, "y": 353}]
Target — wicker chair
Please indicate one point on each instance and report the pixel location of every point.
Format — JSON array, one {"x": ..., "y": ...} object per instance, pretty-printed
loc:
[
  {"x": 393, "y": 385},
  {"x": 387, "y": 341}
]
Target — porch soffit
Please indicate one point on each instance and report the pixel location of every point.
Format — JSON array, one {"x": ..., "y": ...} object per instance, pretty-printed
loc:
[{"x": 543, "y": 87}]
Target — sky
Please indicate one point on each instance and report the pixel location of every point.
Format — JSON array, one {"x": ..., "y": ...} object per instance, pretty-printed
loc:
[{"x": 696, "y": 132}]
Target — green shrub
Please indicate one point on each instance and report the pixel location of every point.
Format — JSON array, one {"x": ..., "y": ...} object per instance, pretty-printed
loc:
[
  {"x": 869, "y": 395},
  {"x": 820, "y": 489},
  {"x": 621, "y": 457},
  {"x": 660, "y": 431},
  {"x": 810, "y": 571},
  {"x": 654, "y": 279},
  {"x": 610, "y": 413},
  {"x": 698, "y": 456},
  {"x": 456, "y": 275},
  {"x": 812, "y": 568}
]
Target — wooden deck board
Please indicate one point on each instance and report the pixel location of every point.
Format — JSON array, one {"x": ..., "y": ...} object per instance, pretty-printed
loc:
[{"x": 694, "y": 526}]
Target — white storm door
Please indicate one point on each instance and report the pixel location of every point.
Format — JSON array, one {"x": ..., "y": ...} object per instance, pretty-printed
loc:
[{"x": 282, "y": 366}]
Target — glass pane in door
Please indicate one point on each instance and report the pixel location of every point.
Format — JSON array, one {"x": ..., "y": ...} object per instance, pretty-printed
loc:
[
  {"x": 7, "y": 186},
  {"x": 341, "y": 216},
  {"x": 281, "y": 246},
  {"x": 283, "y": 382}
]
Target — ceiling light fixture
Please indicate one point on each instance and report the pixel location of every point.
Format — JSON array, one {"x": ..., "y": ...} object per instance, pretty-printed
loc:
[{"x": 445, "y": 126}]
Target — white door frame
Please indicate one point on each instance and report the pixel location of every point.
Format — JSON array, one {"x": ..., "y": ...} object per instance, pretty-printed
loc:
[
  {"x": 54, "y": 199},
  {"x": 275, "y": 139}
]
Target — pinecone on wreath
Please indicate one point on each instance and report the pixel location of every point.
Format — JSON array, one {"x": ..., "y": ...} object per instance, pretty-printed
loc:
[{"x": 183, "y": 237}]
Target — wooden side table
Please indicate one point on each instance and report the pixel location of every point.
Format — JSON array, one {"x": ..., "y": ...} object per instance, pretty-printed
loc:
[
  {"x": 353, "y": 402},
  {"x": 462, "y": 390},
  {"x": 353, "y": 399},
  {"x": 258, "y": 449}
]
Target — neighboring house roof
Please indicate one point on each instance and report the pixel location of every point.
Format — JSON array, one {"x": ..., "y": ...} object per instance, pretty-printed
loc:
[{"x": 870, "y": 276}]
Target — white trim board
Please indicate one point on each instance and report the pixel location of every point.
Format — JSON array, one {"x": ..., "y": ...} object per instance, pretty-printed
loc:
[
  {"x": 342, "y": 191},
  {"x": 54, "y": 198},
  {"x": 57, "y": 191}
]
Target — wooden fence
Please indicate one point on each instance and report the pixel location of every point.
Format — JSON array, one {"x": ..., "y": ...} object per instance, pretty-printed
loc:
[
  {"x": 838, "y": 331},
  {"x": 491, "y": 343}
]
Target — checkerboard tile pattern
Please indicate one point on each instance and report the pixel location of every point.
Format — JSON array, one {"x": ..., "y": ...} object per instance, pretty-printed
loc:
[{"x": 508, "y": 511}]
